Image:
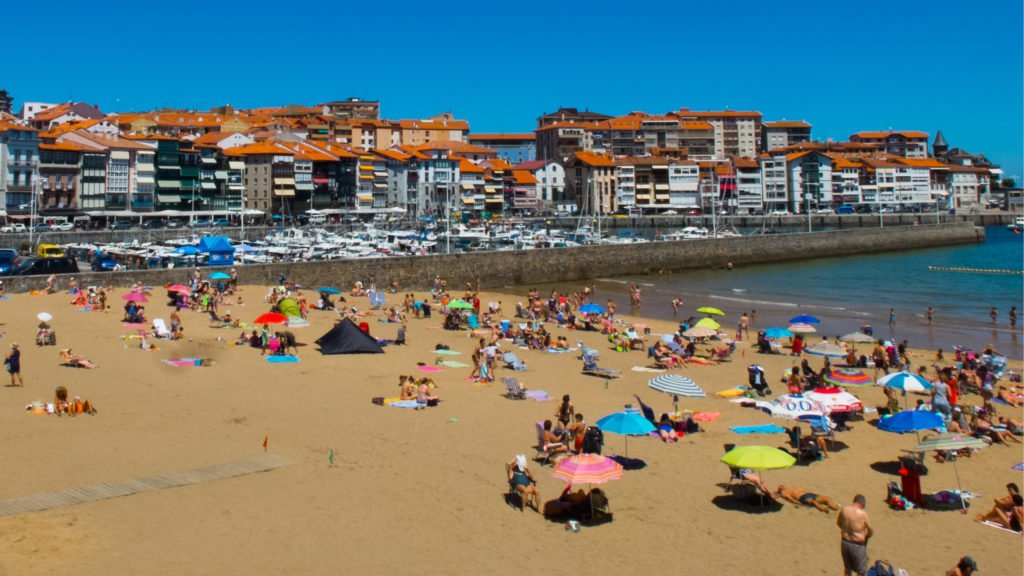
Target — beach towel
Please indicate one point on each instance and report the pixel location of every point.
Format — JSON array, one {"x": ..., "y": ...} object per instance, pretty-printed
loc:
[
  {"x": 5, "y": 297},
  {"x": 699, "y": 361},
  {"x": 706, "y": 416},
  {"x": 429, "y": 369},
  {"x": 454, "y": 364},
  {"x": 731, "y": 392},
  {"x": 182, "y": 362},
  {"x": 406, "y": 404},
  {"x": 647, "y": 369},
  {"x": 131, "y": 325},
  {"x": 538, "y": 395},
  {"x": 558, "y": 350},
  {"x": 297, "y": 322},
  {"x": 762, "y": 429},
  {"x": 83, "y": 309},
  {"x": 999, "y": 526},
  {"x": 276, "y": 359},
  {"x": 447, "y": 352}
]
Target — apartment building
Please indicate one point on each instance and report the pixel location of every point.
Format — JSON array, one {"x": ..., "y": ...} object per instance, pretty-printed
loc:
[
  {"x": 471, "y": 186},
  {"x": 749, "y": 191},
  {"x": 19, "y": 155},
  {"x": 560, "y": 141},
  {"x": 129, "y": 170},
  {"x": 269, "y": 176},
  {"x": 590, "y": 182},
  {"x": 783, "y": 133},
  {"x": 550, "y": 177},
  {"x": 570, "y": 115},
  {"x": 353, "y": 108},
  {"x": 524, "y": 191},
  {"x": 402, "y": 182},
  {"x": 6, "y": 102},
  {"x": 442, "y": 127},
  {"x": 908, "y": 143},
  {"x": 736, "y": 133},
  {"x": 513, "y": 148}
]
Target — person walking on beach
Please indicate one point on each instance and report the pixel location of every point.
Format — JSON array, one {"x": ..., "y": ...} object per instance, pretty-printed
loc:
[
  {"x": 855, "y": 531},
  {"x": 1013, "y": 318},
  {"x": 993, "y": 314},
  {"x": 13, "y": 364},
  {"x": 892, "y": 318}
]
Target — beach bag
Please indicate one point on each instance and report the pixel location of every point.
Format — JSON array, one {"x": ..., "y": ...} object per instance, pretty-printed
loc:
[
  {"x": 881, "y": 568},
  {"x": 593, "y": 440}
]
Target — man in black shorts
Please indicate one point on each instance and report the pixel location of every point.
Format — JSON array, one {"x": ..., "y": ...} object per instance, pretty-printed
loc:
[{"x": 801, "y": 496}]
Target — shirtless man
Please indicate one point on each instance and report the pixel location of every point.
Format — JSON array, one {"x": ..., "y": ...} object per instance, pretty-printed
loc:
[
  {"x": 744, "y": 326},
  {"x": 801, "y": 496},
  {"x": 855, "y": 530}
]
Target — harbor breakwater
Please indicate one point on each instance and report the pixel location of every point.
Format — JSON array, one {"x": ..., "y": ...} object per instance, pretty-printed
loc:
[{"x": 524, "y": 267}]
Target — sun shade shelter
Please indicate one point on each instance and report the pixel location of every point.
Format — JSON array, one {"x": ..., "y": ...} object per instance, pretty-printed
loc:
[
  {"x": 221, "y": 252},
  {"x": 347, "y": 338}
]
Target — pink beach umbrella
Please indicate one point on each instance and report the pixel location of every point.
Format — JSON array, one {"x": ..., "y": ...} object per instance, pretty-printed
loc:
[{"x": 135, "y": 297}]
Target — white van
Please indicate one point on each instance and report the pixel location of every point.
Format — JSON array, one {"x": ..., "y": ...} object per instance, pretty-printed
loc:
[{"x": 317, "y": 219}]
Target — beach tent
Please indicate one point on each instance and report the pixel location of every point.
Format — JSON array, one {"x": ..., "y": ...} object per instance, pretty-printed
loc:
[
  {"x": 221, "y": 252},
  {"x": 289, "y": 308},
  {"x": 347, "y": 338}
]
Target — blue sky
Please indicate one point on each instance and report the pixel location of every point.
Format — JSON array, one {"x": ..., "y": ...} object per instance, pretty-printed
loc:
[{"x": 843, "y": 66}]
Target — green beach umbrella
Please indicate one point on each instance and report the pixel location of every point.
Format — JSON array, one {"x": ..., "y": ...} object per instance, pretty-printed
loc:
[
  {"x": 710, "y": 310},
  {"x": 707, "y": 323},
  {"x": 460, "y": 305},
  {"x": 758, "y": 458}
]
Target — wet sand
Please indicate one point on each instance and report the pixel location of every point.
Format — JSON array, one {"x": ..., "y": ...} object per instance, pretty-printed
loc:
[{"x": 419, "y": 491}]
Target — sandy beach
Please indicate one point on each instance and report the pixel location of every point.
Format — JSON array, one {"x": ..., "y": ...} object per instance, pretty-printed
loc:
[{"x": 421, "y": 490}]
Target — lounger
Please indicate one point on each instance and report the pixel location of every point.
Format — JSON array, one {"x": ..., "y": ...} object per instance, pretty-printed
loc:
[
  {"x": 513, "y": 361},
  {"x": 590, "y": 368},
  {"x": 161, "y": 328},
  {"x": 514, "y": 390}
]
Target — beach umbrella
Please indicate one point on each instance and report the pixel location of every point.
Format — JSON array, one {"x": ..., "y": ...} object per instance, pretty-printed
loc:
[
  {"x": 954, "y": 441},
  {"x": 835, "y": 400},
  {"x": 789, "y": 406},
  {"x": 676, "y": 386},
  {"x": 804, "y": 319},
  {"x": 911, "y": 421},
  {"x": 758, "y": 458},
  {"x": 591, "y": 308},
  {"x": 778, "y": 333},
  {"x": 135, "y": 297},
  {"x": 826, "y": 349},
  {"x": 700, "y": 332},
  {"x": 44, "y": 316},
  {"x": 858, "y": 338},
  {"x": 179, "y": 288},
  {"x": 707, "y": 323},
  {"x": 186, "y": 250},
  {"x": 906, "y": 381},
  {"x": 460, "y": 305},
  {"x": 220, "y": 276},
  {"x": 626, "y": 424},
  {"x": 848, "y": 377},
  {"x": 328, "y": 290},
  {"x": 802, "y": 329},
  {"x": 587, "y": 469},
  {"x": 710, "y": 310},
  {"x": 270, "y": 318}
]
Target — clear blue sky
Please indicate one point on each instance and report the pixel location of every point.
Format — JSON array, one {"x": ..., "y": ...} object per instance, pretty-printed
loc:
[{"x": 843, "y": 66}]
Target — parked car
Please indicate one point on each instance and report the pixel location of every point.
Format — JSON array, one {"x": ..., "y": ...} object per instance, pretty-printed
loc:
[
  {"x": 62, "y": 227},
  {"x": 824, "y": 211},
  {"x": 200, "y": 224},
  {"x": 122, "y": 225},
  {"x": 175, "y": 223},
  {"x": 37, "y": 266},
  {"x": 845, "y": 209},
  {"x": 153, "y": 224},
  {"x": 862, "y": 209},
  {"x": 779, "y": 213},
  {"x": 104, "y": 263},
  {"x": 221, "y": 222},
  {"x": 694, "y": 212},
  {"x": 885, "y": 210},
  {"x": 41, "y": 228},
  {"x": 13, "y": 229},
  {"x": 7, "y": 259}
]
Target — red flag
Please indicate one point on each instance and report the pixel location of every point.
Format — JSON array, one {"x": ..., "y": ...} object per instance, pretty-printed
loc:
[{"x": 266, "y": 439}]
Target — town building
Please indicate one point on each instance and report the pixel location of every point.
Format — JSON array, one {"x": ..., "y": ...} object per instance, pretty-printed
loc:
[
  {"x": 736, "y": 133},
  {"x": 353, "y": 108},
  {"x": 590, "y": 182},
  {"x": 550, "y": 176},
  {"x": 570, "y": 115},
  {"x": 909, "y": 143},
  {"x": 6, "y": 102},
  {"x": 513, "y": 148},
  {"x": 19, "y": 156},
  {"x": 784, "y": 133}
]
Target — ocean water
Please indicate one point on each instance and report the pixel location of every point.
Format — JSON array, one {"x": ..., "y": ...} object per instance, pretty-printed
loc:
[{"x": 851, "y": 291}]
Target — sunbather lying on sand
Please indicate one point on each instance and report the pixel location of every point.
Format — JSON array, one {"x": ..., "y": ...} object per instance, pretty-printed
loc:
[
  {"x": 74, "y": 359},
  {"x": 62, "y": 405},
  {"x": 801, "y": 496}
]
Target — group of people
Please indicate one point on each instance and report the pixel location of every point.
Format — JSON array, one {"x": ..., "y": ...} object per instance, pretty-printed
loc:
[{"x": 422, "y": 390}]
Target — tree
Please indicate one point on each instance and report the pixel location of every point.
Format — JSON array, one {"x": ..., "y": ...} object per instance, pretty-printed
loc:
[{"x": 1008, "y": 183}]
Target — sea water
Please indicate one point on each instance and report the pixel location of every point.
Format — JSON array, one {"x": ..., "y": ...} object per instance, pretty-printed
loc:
[{"x": 852, "y": 291}]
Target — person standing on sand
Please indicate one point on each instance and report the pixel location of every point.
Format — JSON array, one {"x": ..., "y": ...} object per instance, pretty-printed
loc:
[
  {"x": 744, "y": 326},
  {"x": 13, "y": 364},
  {"x": 855, "y": 531}
]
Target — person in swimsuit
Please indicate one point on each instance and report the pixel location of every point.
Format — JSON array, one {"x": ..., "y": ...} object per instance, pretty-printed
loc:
[
  {"x": 801, "y": 496},
  {"x": 666, "y": 430},
  {"x": 522, "y": 481},
  {"x": 565, "y": 411},
  {"x": 855, "y": 531}
]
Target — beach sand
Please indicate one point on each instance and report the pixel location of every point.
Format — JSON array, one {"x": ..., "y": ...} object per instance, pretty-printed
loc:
[{"x": 418, "y": 490}]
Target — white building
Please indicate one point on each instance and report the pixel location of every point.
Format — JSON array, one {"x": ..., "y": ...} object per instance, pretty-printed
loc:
[{"x": 550, "y": 177}]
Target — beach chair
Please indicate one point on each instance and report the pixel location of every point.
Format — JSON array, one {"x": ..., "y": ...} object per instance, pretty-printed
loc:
[
  {"x": 160, "y": 328},
  {"x": 590, "y": 368},
  {"x": 593, "y": 353},
  {"x": 723, "y": 354},
  {"x": 513, "y": 389},
  {"x": 821, "y": 427},
  {"x": 472, "y": 322},
  {"x": 513, "y": 361},
  {"x": 545, "y": 451}
]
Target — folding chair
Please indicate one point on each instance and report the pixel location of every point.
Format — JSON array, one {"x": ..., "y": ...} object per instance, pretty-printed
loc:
[
  {"x": 544, "y": 450},
  {"x": 513, "y": 389}
]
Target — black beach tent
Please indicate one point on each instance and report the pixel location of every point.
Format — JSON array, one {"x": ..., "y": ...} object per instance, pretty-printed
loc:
[{"x": 347, "y": 338}]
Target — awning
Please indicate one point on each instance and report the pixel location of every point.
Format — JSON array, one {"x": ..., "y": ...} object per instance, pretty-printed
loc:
[
  {"x": 379, "y": 185},
  {"x": 469, "y": 200},
  {"x": 379, "y": 173},
  {"x": 236, "y": 165},
  {"x": 208, "y": 186},
  {"x": 144, "y": 168},
  {"x": 304, "y": 186},
  {"x": 365, "y": 197},
  {"x": 284, "y": 181},
  {"x": 168, "y": 198},
  {"x": 236, "y": 187},
  {"x": 169, "y": 167},
  {"x": 207, "y": 160},
  {"x": 366, "y": 176},
  {"x": 366, "y": 167},
  {"x": 144, "y": 180},
  {"x": 490, "y": 189},
  {"x": 221, "y": 174},
  {"x": 493, "y": 200},
  {"x": 120, "y": 155},
  {"x": 284, "y": 192},
  {"x": 169, "y": 183},
  {"x": 317, "y": 180},
  {"x": 661, "y": 186}
]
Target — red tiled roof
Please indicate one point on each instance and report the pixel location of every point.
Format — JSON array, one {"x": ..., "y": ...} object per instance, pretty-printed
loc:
[
  {"x": 787, "y": 124},
  {"x": 881, "y": 135},
  {"x": 592, "y": 159},
  {"x": 503, "y": 137},
  {"x": 530, "y": 165},
  {"x": 523, "y": 177}
]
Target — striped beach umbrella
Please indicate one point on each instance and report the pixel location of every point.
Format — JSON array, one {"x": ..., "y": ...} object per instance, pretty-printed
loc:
[
  {"x": 905, "y": 381},
  {"x": 858, "y": 338},
  {"x": 827, "y": 349},
  {"x": 848, "y": 377},
  {"x": 676, "y": 385},
  {"x": 700, "y": 332},
  {"x": 588, "y": 469},
  {"x": 802, "y": 329}
]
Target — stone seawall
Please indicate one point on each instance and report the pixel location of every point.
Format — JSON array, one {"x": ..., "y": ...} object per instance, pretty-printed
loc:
[{"x": 516, "y": 268}]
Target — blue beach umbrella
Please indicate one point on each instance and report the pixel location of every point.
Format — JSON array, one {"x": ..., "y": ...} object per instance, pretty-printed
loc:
[
  {"x": 627, "y": 424},
  {"x": 804, "y": 319},
  {"x": 778, "y": 333},
  {"x": 220, "y": 276},
  {"x": 328, "y": 290},
  {"x": 911, "y": 421},
  {"x": 591, "y": 308}
]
